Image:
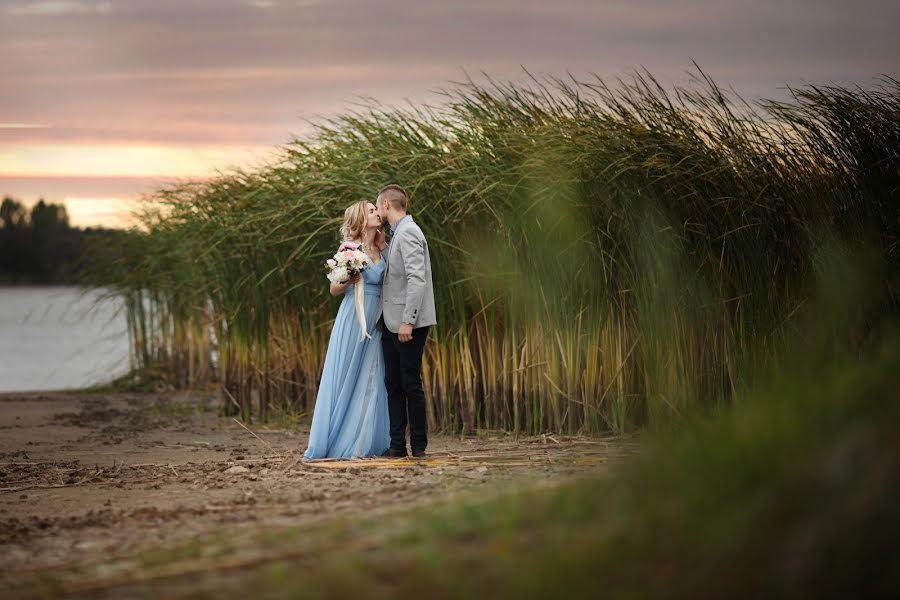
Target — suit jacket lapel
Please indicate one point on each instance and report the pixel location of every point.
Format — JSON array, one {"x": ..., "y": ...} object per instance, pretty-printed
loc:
[{"x": 391, "y": 249}]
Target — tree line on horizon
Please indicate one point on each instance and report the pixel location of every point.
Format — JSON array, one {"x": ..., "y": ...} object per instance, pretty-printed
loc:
[{"x": 39, "y": 246}]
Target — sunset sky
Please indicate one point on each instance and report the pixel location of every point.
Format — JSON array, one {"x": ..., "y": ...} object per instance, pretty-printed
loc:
[{"x": 105, "y": 100}]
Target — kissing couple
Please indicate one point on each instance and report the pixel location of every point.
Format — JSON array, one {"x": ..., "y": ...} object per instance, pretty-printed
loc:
[{"x": 371, "y": 386}]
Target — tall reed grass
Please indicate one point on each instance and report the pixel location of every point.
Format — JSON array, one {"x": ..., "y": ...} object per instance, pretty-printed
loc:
[{"x": 605, "y": 257}]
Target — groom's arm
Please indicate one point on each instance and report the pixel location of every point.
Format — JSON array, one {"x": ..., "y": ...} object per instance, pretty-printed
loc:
[{"x": 412, "y": 249}]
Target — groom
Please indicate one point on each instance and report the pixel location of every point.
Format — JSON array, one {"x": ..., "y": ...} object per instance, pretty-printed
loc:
[{"x": 408, "y": 312}]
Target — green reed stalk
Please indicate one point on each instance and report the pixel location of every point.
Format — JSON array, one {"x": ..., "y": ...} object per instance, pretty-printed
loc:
[{"x": 604, "y": 258}]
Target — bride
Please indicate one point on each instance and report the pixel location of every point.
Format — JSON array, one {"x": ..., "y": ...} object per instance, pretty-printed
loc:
[{"x": 351, "y": 413}]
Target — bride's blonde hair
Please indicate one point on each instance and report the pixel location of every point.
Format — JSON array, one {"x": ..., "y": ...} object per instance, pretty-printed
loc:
[{"x": 355, "y": 218}]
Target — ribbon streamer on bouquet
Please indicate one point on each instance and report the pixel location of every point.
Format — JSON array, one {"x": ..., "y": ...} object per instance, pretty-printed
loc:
[{"x": 359, "y": 293}]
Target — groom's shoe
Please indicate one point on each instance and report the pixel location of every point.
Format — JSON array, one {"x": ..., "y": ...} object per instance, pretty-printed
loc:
[
  {"x": 393, "y": 453},
  {"x": 418, "y": 454}
]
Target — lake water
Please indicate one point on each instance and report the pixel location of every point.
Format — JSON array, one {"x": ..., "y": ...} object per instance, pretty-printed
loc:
[{"x": 54, "y": 338}]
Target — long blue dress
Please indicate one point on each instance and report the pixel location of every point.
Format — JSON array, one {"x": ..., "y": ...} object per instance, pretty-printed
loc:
[{"x": 351, "y": 414}]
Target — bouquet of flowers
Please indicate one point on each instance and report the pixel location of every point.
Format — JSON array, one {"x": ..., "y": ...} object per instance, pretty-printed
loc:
[{"x": 349, "y": 261}]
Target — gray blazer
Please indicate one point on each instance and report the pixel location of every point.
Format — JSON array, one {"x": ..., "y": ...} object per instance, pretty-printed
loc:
[{"x": 408, "y": 293}]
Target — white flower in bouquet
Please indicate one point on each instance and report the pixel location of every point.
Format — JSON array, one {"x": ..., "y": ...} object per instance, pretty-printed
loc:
[
  {"x": 339, "y": 274},
  {"x": 349, "y": 261}
]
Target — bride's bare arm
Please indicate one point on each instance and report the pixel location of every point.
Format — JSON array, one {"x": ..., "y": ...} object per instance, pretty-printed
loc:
[{"x": 337, "y": 289}]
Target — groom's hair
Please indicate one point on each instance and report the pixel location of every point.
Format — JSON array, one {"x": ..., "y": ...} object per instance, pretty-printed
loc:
[{"x": 394, "y": 194}]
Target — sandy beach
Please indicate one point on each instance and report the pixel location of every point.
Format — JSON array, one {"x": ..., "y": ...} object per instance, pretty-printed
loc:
[{"x": 88, "y": 481}]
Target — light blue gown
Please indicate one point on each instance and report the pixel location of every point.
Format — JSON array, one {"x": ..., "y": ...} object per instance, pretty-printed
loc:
[{"x": 351, "y": 414}]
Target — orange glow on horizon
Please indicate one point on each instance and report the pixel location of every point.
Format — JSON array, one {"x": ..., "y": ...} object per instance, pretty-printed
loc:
[
  {"x": 117, "y": 160},
  {"x": 106, "y": 212}
]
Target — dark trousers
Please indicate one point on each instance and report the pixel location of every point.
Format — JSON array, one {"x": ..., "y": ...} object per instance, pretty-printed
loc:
[{"x": 406, "y": 397}]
